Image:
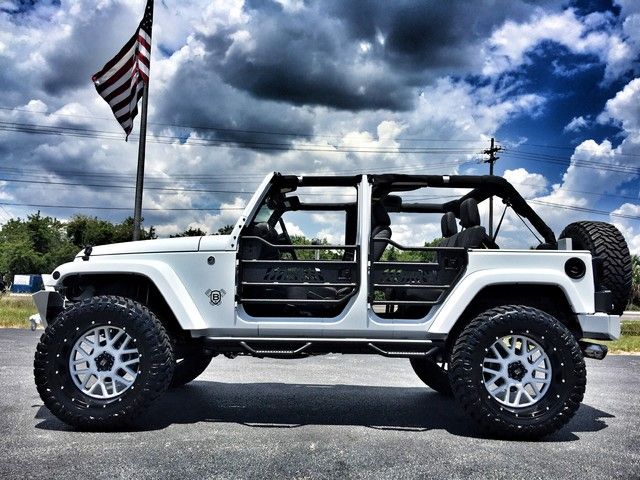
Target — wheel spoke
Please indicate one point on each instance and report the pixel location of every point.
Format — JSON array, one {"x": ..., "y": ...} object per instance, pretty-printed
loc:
[
  {"x": 501, "y": 389},
  {"x": 86, "y": 381},
  {"x": 124, "y": 381},
  {"x": 524, "y": 392},
  {"x": 116, "y": 337},
  {"x": 496, "y": 352},
  {"x": 531, "y": 354},
  {"x": 538, "y": 362},
  {"x": 490, "y": 370},
  {"x": 492, "y": 382}
]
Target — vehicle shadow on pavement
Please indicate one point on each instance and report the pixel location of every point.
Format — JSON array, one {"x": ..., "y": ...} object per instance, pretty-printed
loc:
[{"x": 287, "y": 405}]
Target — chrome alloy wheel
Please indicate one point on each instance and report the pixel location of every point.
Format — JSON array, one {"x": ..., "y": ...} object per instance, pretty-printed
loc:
[
  {"x": 516, "y": 371},
  {"x": 104, "y": 362}
]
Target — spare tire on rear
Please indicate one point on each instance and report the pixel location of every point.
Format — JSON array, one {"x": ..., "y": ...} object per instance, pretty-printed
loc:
[{"x": 605, "y": 241}]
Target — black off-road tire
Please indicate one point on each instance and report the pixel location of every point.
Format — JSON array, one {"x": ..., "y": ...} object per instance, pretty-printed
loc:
[
  {"x": 51, "y": 365},
  {"x": 432, "y": 374},
  {"x": 189, "y": 368},
  {"x": 605, "y": 240},
  {"x": 565, "y": 392}
]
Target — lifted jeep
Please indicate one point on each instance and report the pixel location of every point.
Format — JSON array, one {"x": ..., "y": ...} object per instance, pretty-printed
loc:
[{"x": 502, "y": 330}]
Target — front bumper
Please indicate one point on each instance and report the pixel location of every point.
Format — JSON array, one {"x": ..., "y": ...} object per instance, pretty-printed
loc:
[
  {"x": 600, "y": 326},
  {"x": 49, "y": 304}
]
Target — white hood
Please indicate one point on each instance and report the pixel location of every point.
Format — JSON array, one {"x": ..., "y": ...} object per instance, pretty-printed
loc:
[{"x": 182, "y": 244}]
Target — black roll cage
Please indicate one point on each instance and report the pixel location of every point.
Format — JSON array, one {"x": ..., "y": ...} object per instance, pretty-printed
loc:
[{"x": 484, "y": 186}]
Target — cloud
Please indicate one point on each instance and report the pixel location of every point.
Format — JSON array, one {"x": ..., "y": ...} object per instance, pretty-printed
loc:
[
  {"x": 528, "y": 184},
  {"x": 350, "y": 55},
  {"x": 629, "y": 228},
  {"x": 576, "y": 124},
  {"x": 593, "y": 35},
  {"x": 624, "y": 108}
]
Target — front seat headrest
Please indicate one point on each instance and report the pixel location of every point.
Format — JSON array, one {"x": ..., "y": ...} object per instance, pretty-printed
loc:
[
  {"x": 392, "y": 202},
  {"x": 469, "y": 214},
  {"x": 380, "y": 215},
  {"x": 449, "y": 225}
]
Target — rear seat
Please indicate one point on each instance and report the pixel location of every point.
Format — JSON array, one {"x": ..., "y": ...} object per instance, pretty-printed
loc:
[{"x": 474, "y": 235}]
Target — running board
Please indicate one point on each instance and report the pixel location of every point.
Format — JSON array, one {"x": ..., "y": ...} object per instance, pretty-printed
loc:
[
  {"x": 302, "y": 347},
  {"x": 403, "y": 354},
  {"x": 266, "y": 353}
]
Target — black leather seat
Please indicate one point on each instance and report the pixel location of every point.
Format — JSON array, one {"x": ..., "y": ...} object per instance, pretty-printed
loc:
[
  {"x": 380, "y": 229},
  {"x": 449, "y": 225},
  {"x": 474, "y": 235}
]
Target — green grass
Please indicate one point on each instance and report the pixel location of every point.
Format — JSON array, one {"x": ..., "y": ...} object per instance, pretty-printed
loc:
[
  {"x": 626, "y": 344},
  {"x": 629, "y": 342},
  {"x": 15, "y": 311}
]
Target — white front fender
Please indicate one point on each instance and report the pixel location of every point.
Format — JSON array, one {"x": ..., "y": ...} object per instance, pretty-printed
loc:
[{"x": 158, "y": 272}]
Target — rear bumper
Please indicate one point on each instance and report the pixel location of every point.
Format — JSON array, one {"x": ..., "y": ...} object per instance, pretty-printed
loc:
[{"x": 600, "y": 326}]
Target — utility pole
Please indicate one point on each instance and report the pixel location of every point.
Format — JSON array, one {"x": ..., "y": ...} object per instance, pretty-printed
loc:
[{"x": 491, "y": 160}]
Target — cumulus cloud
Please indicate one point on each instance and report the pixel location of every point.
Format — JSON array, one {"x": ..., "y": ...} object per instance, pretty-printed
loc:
[
  {"x": 528, "y": 184},
  {"x": 629, "y": 228},
  {"x": 511, "y": 45}
]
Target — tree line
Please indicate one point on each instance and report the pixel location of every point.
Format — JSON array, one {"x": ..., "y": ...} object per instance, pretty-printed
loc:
[{"x": 40, "y": 243}]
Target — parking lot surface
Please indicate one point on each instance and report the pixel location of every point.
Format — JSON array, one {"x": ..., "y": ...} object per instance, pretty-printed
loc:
[{"x": 325, "y": 417}]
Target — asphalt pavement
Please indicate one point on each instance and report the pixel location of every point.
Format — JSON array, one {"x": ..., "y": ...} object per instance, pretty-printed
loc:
[{"x": 326, "y": 417}]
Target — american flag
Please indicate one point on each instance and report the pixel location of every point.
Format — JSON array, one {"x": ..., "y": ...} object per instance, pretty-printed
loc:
[{"x": 121, "y": 81}]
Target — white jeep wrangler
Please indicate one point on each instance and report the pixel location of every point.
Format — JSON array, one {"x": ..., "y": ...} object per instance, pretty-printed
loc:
[{"x": 501, "y": 330}]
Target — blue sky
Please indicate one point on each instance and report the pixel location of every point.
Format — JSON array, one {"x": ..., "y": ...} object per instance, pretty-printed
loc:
[{"x": 557, "y": 84}]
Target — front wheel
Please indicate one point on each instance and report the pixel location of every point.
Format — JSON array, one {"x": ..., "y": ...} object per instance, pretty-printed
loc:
[
  {"x": 518, "y": 372},
  {"x": 101, "y": 362}
]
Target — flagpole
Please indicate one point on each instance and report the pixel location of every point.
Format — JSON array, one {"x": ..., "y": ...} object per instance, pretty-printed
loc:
[{"x": 142, "y": 143}]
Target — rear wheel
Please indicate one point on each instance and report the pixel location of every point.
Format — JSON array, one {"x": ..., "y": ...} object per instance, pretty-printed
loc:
[
  {"x": 189, "y": 368},
  {"x": 434, "y": 374},
  {"x": 518, "y": 372},
  {"x": 100, "y": 363}
]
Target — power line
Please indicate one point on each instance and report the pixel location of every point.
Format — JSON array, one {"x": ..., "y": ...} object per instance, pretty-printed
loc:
[
  {"x": 14, "y": 180},
  {"x": 566, "y": 147},
  {"x": 223, "y": 143},
  {"x": 585, "y": 209},
  {"x": 236, "y": 130},
  {"x": 245, "y": 192},
  {"x": 89, "y": 207},
  {"x": 576, "y": 163}
]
